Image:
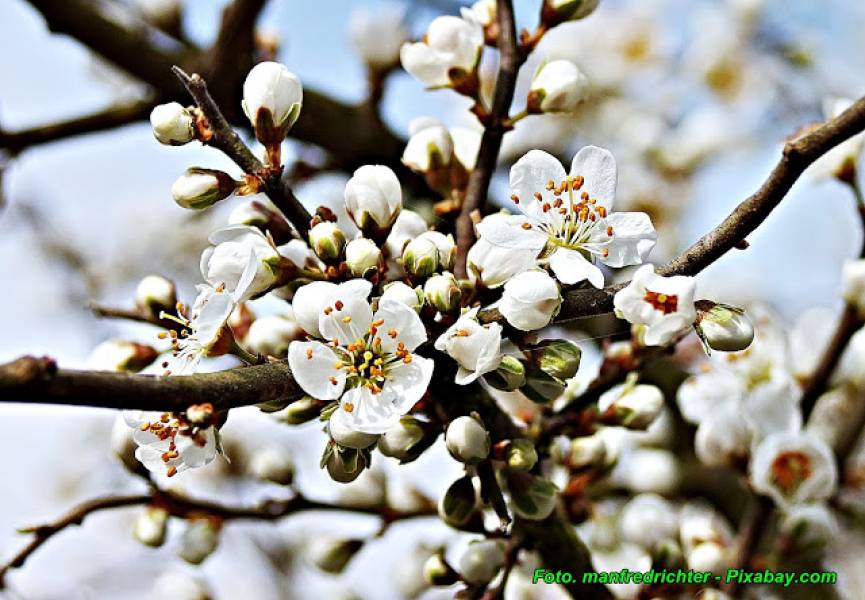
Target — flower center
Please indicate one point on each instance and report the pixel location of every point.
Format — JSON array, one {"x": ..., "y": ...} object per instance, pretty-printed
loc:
[
  {"x": 665, "y": 303},
  {"x": 790, "y": 470},
  {"x": 168, "y": 427}
]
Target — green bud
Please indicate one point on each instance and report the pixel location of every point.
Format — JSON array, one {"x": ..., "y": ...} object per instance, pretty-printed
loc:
[
  {"x": 199, "y": 188},
  {"x": 723, "y": 327},
  {"x": 510, "y": 375},
  {"x": 327, "y": 241},
  {"x": 332, "y": 555},
  {"x": 151, "y": 525},
  {"x": 399, "y": 440},
  {"x": 300, "y": 411},
  {"x": 362, "y": 257},
  {"x": 532, "y": 497},
  {"x": 459, "y": 502},
  {"x": 437, "y": 571},
  {"x": 541, "y": 387},
  {"x": 521, "y": 455},
  {"x": 557, "y": 358},
  {"x": 443, "y": 293},
  {"x": 344, "y": 465},
  {"x": 199, "y": 540}
]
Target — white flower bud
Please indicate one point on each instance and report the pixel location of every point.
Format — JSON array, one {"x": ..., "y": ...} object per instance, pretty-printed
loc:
[
  {"x": 810, "y": 525},
  {"x": 449, "y": 54},
  {"x": 332, "y": 555},
  {"x": 442, "y": 292},
  {"x": 199, "y": 540},
  {"x": 377, "y": 37},
  {"x": 585, "y": 451},
  {"x": 632, "y": 405},
  {"x": 327, "y": 241},
  {"x": 408, "y": 225},
  {"x": 723, "y": 438},
  {"x": 299, "y": 411},
  {"x": 373, "y": 200},
  {"x": 532, "y": 497},
  {"x": 341, "y": 432},
  {"x": 643, "y": 510},
  {"x": 172, "y": 124},
  {"x": 150, "y": 526},
  {"x": 700, "y": 523},
  {"x": 399, "y": 439},
  {"x": 344, "y": 464},
  {"x": 400, "y": 292},
  {"x": 363, "y": 257},
  {"x": 176, "y": 585},
  {"x": 429, "y": 252},
  {"x": 853, "y": 283},
  {"x": 555, "y": 12},
  {"x": 272, "y": 99},
  {"x": 467, "y": 440},
  {"x": 485, "y": 12},
  {"x": 121, "y": 355},
  {"x": 482, "y": 560},
  {"x": 270, "y": 336},
  {"x": 459, "y": 502},
  {"x": 521, "y": 455},
  {"x": 530, "y": 300},
  {"x": 722, "y": 327},
  {"x": 436, "y": 571},
  {"x": 430, "y": 146},
  {"x": 710, "y": 557},
  {"x": 233, "y": 249},
  {"x": 155, "y": 294},
  {"x": 199, "y": 188},
  {"x": 272, "y": 464},
  {"x": 557, "y": 87}
]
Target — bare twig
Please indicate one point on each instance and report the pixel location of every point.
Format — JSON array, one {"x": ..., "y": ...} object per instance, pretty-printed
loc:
[
  {"x": 494, "y": 130},
  {"x": 133, "y": 315},
  {"x": 751, "y": 531}
]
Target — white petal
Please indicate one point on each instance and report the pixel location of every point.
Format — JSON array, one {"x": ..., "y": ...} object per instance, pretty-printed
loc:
[
  {"x": 425, "y": 64},
  {"x": 530, "y": 175},
  {"x": 572, "y": 267},
  {"x": 508, "y": 232},
  {"x": 662, "y": 332},
  {"x": 633, "y": 239},
  {"x": 407, "y": 383},
  {"x": 404, "y": 321},
  {"x": 346, "y": 324},
  {"x": 308, "y": 303},
  {"x": 314, "y": 374},
  {"x": 598, "y": 168}
]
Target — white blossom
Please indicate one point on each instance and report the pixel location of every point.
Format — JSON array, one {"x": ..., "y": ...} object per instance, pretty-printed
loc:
[
  {"x": 272, "y": 99},
  {"x": 169, "y": 443},
  {"x": 645, "y": 509},
  {"x": 793, "y": 468},
  {"x": 272, "y": 464},
  {"x": 451, "y": 50},
  {"x": 172, "y": 124},
  {"x": 408, "y": 225},
  {"x": 342, "y": 431},
  {"x": 723, "y": 438},
  {"x": 311, "y": 298},
  {"x": 558, "y": 86},
  {"x": 664, "y": 305},
  {"x": 530, "y": 300},
  {"x": 632, "y": 405},
  {"x": 567, "y": 218},
  {"x": 155, "y": 293},
  {"x": 377, "y": 37},
  {"x": 810, "y": 524},
  {"x": 475, "y": 347},
  {"x": 225, "y": 262},
  {"x": 482, "y": 560},
  {"x": 121, "y": 355},
  {"x": 429, "y": 146},
  {"x": 491, "y": 266}
]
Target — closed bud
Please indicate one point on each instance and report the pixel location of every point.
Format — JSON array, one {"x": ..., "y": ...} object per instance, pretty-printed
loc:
[
  {"x": 155, "y": 294},
  {"x": 178, "y": 585},
  {"x": 343, "y": 434},
  {"x": 508, "y": 376},
  {"x": 631, "y": 405},
  {"x": 584, "y": 451},
  {"x": 710, "y": 557},
  {"x": 199, "y": 188},
  {"x": 373, "y": 199},
  {"x": 521, "y": 455},
  {"x": 810, "y": 525},
  {"x": 442, "y": 292},
  {"x": 151, "y": 526},
  {"x": 199, "y": 540},
  {"x": 437, "y": 571},
  {"x": 362, "y": 257},
  {"x": 723, "y": 327},
  {"x": 459, "y": 503},
  {"x": 430, "y": 147},
  {"x": 300, "y": 411},
  {"x": 172, "y": 124},
  {"x": 327, "y": 241},
  {"x": 555, "y": 12},
  {"x": 429, "y": 252},
  {"x": 558, "y": 87},
  {"x": 467, "y": 440},
  {"x": 668, "y": 554},
  {"x": 853, "y": 283},
  {"x": 400, "y": 292},
  {"x": 481, "y": 561},
  {"x": 343, "y": 464},
  {"x": 272, "y": 464},
  {"x": 532, "y": 497},
  {"x": 271, "y": 335},
  {"x": 399, "y": 440},
  {"x": 121, "y": 355},
  {"x": 530, "y": 300},
  {"x": 272, "y": 99},
  {"x": 556, "y": 358},
  {"x": 378, "y": 36},
  {"x": 541, "y": 387},
  {"x": 331, "y": 555}
]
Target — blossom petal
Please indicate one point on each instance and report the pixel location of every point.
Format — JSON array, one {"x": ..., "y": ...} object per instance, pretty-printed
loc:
[
  {"x": 309, "y": 301},
  {"x": 572, "y": 267},
  {"x": 401, "y": 320},
  {"x": 510, "y": 232},
  {"x": 530, "y": 175},
  {"x": 661, "y": 332},
  {"x": 313, "y": 365},
  {"x": 598, "y": 168},
  {"x": 407, "y": 383},
  {"x": 346, "y": 320},
  {"x": 634, "y": 236}
]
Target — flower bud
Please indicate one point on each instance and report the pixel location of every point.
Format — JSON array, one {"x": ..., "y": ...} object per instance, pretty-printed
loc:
[
  {"x": 467, "y": 440},
  {"x": 521, "y": 455},
  {"x": 262, "y": 215},
  {"x": 271, "y": 335},
  {"x": 532, "y": 497},
  {"x": 343, "y": 464},
  {"x": 300, "y": 411},
  {"x": 408, "y": 225},
  {"x": 508, "y": 376},
  {"x": 557, "y": 87},
  {"x": 178, "y": 585},
  {"x": 853, "y": 283},
  {"x": 331, "y": 555},
  {"x": 272, "y": 464},
  {"x": 155, "y": 294},
  {"x": 151, "y": 526},
  {"x": 492, "y": 266},
  {"x": 632, "y": 405},
  {"x": 530, "y": 300},
  {"x": 459, "y": 502},
  {"x": 482, "y": 560},
  {"x": 584, "y": 451},
  {"x": 199, "y": 540},
  {"x": 363, "y": 257},
  {"x": 429, "y": 148},
  {"x": 556, "y": 358},
  {"x": 644, "y": 509},
  {"x": 810, "y": 525},
  {"x": 400, "y": 292},
  {"x": 437, "y": 571},
  {"x": 442, "y": 292},
  {"x": 723, "y": 327},
  {"x": 327, "y": 241},
  {"x": 373, "y": 200},
  {"x": 555, "y": 12},
  {"x": 428, "y": 253},
  {"x": 272, "y": 99},
  {"x": 343, "y": 434},
  {"x": 541, "y": 387},
  {"x": 377, "y": 37},
  {"x": 710, "y": 557},
  {"x": 172, "y": 124},
  {"x": 449, "y": 54},
  {"x": 199, "y": 188},
  {"x": 121, "y": 355},
  {"x": 399, "y": 440}
]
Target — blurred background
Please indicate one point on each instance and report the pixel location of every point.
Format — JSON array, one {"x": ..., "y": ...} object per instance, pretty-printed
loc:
[{"x": 694, "y": 97}]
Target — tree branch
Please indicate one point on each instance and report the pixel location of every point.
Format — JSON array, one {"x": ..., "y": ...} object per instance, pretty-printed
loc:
[{"x": 494, "y": 130}]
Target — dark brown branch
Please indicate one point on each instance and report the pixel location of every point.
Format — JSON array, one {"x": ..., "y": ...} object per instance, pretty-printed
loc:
[
  {"x": 179, "y": 506},
  {"x": 133, "y": 315},
  {"x": 799, "y": 153},
  {"x": 32, "y": 380},
  {"x": 225, "y": 138},
  {"x": 494, "y": 130},
  {"x": 750, "y": 533}
]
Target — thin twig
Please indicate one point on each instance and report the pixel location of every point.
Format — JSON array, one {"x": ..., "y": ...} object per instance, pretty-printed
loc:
[
  {"x": 494, "y": 130},
  {"x": 750, "y": 533}
]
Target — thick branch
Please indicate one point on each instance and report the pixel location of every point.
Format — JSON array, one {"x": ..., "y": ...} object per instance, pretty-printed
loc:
[
  {"x": 32, "y": 380},
  {"x": 494, "y": 131}
]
